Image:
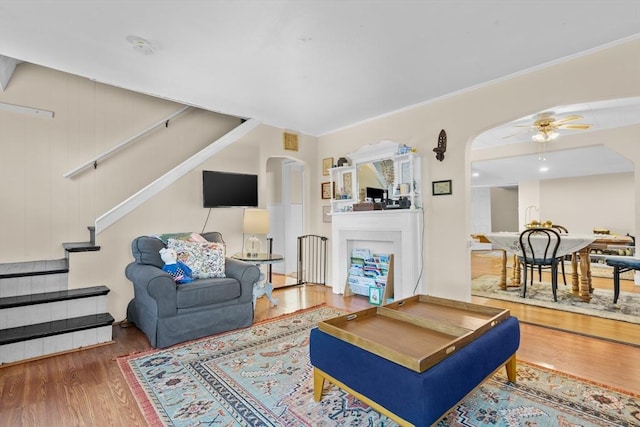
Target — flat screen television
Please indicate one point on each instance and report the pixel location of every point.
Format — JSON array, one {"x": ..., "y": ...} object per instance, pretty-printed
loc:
[
  {"x": 374, "y": 193},
  {"x": 228, "y": 189}
]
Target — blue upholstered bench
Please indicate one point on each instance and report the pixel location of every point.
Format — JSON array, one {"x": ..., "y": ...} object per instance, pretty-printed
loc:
[
  {"x": 406, "y": 396},
  {"x": 620, "y": 265}
]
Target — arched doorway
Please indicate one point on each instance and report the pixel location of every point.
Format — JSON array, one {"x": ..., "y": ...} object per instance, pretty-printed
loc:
[{"x": 285, "y": 203}]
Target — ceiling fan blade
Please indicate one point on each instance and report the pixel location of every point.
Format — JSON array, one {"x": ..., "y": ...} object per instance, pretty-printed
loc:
[
  {"x": 576, "y": 126},
  {"x": 566, "y": 119}
]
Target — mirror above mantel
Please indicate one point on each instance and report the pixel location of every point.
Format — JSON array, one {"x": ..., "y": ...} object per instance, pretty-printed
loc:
[{"x": 385, "y": 172}]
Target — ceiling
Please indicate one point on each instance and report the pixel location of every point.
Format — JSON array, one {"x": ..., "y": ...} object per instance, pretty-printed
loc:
[
  {"x": 307, "y": 66},
  {"x": 510, "y": 171},
  {"x": 550, "y": 161}
]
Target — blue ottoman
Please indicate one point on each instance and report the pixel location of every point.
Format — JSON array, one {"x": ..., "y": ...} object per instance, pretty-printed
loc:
[{"x": 404, "y": 395}]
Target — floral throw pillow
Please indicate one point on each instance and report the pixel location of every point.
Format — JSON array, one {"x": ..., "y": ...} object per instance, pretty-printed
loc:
[{"x": 205, "y": 259}]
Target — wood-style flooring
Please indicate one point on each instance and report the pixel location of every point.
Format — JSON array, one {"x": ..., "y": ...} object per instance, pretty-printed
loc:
[{"x": 86, "y": 388}]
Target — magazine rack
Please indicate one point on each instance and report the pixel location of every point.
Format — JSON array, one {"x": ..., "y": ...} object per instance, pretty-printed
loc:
[{"x": 363, "y": 288}]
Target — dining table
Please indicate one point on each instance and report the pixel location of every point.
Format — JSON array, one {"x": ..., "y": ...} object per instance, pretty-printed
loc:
[{"x": 576, "y": 244}]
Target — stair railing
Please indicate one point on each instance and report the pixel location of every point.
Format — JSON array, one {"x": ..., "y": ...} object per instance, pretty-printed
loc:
[
  {"x": 173, "y": 175},
  {"x": 94, "y": 162}
]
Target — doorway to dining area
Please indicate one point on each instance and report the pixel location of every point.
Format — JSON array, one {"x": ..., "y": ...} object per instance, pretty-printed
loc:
[{"x": 582, "y": 178}]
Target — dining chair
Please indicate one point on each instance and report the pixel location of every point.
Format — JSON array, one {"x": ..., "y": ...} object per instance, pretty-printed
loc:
[
  {"x": 620, "y": 265},
  {"x": 539, "y": 248},
  {"x": 561, "y": 230}
]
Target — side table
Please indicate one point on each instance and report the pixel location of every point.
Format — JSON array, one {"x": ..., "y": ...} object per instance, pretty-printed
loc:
[{"x": 259, "y": 288}]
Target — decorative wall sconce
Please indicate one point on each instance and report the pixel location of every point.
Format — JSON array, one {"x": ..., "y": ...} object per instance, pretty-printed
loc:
[{"x": 442, "y": 145}]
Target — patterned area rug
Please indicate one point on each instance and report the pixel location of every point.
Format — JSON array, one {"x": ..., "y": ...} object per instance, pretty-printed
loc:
[
  {"x": 261, "y": 376},
  {"x": 626, "y": 309}
]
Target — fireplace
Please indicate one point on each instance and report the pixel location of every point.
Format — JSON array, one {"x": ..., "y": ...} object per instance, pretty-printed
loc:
[{"x": 396, "y": 231}]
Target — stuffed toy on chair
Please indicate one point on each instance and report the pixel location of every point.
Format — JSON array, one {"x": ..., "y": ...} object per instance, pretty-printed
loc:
[{"x": 180, "y": 272}]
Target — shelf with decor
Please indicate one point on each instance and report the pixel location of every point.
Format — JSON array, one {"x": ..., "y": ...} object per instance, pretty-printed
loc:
[
  {"x": 343, "y": 185},
  {"x": 386, "y": 175}
]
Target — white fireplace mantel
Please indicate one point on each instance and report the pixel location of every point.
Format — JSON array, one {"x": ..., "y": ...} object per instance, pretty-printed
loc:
[{"x": 397, "y": 231}]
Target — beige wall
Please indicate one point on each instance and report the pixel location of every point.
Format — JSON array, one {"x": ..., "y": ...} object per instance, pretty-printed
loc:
[
  {"x": 606, "y": 74},
  {"x": 40, "y": 209},
  {"x": 275, "y": 177},
  {"x": 504, "y": 209},
  {"x": 580, "y": 204},
  {"x": 576, "y": 203}
]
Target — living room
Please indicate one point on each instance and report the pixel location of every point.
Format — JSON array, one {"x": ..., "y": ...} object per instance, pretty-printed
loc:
[{"x": 42, "y": 209}]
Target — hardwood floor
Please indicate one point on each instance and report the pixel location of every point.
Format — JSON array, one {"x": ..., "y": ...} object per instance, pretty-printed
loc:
[
  {"x": 581, "y": 324},
  {"x": 86, "y": 388}
]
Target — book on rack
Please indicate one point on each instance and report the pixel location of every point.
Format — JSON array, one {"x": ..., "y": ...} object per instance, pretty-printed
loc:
[{"x": 366, "y": 270}]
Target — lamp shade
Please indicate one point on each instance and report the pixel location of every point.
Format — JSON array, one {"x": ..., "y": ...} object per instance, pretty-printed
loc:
[{"x": 256, "y": 221}]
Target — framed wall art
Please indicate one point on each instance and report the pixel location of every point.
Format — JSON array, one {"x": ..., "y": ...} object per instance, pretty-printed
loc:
[
  {"x": 441, "y": 188},
  {"x": 326, "y": 165},
  {"x": 326, "y": 190},
  {"x": 347, "y": 183},
  {"x": 290, "y": 141}
]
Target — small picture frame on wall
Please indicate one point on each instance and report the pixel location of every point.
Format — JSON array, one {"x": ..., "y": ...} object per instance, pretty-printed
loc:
[
  {"x": 326, "y": 165},
  {"x": 290, "y": 141},
  {"x": 375, "y": 295},
  {"x": 326, "y": 190},
  {"x": 326, "y": 211},
  {"x": 441, "y": 188}
]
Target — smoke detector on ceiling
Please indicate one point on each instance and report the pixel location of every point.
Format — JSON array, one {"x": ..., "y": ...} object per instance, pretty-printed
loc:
[{"x": 141, "y": 45}]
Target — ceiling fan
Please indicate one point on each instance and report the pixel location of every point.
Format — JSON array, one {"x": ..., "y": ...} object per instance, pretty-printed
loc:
[{"x": 546, "y": 126}]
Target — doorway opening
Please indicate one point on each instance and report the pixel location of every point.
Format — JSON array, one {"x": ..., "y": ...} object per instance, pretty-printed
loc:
[{"x": 285, "y": 203}]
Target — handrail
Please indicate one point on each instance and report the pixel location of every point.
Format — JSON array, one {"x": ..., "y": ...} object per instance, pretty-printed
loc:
[
  {"x": 94, "y": 162},
  {"x": 173, "y": 175},
  {"x": 26, "y": 110}
]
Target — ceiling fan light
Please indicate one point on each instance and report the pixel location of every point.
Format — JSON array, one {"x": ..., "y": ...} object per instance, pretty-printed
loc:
[
  {"x": 539, "y": 137},
  {"x": 545, "y": 136}
]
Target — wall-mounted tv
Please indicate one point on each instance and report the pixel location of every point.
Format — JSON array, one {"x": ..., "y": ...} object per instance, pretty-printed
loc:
[{"x": 228, "y": 189}]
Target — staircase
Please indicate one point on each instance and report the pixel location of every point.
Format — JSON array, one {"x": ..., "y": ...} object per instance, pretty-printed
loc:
[{"x": 40, "y": 316}]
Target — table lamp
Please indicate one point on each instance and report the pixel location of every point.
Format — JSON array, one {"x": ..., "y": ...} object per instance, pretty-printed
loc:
[{"x": 256, "y": 221}]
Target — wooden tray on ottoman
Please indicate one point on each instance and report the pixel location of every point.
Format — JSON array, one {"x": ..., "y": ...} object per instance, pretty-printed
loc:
[{"x": 415, "y": 332}]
